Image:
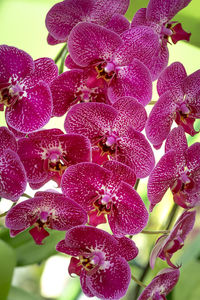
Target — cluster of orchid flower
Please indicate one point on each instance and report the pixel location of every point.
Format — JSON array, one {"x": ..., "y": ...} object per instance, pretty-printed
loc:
[{"x": 96, "y": 163}]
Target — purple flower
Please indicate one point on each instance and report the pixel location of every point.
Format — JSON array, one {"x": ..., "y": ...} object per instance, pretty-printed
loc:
[
  {"x": 12, "y": 173},
  {"x": 161, "y": 285},
  {"x": 167, "y": 245},
  {"x": 179, "y": 100},
  {"x": 115, "y": 130},
  {"x": 46, "y": 154},
  {"x": 76, "y": 86},
  {"x": 94, "y": 46},
  {"x": 46, "y": 210},
  {"x": 98, "y": 258},
  {"x": 24, "y": 88},
  {"x": 157, "y": 16},
  {"x": 63, "y": 16},
  {"x": 104, "y": 191},
  {"x": 179, "y": 170}
]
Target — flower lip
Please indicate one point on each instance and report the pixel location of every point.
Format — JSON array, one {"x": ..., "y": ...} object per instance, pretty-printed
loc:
[
  {"x": 92, "y": 261},
  {"x": 103, "y": 204}
]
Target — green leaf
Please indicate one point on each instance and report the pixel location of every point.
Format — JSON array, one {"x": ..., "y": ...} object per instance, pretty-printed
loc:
[
  {"x": 7, "y": 264},
  {"x": 19, "y": 294},
  {"x": 27, "y": 252},
  {"x": 188, "y": 286}
]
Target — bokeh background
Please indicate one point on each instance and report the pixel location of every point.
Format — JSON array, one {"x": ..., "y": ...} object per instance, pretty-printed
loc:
[{"x": 40, "y": 273}]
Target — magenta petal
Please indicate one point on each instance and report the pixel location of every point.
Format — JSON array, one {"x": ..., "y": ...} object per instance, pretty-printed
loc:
[
  {"x": 114, "y": 280},
  {"x": 120, "y": 172},
  {"x": 84, "y": 285},
  {"x": 90, "y": 119},
  {"x": 191, "y": 87},
  {"x": 23, "y": 215},
  {"x": 118, "y": 23},
  {"x": 52, "y": 41},
  {"x": 63, "y": 90},
  {"x": 175, "y": 240},
  {"x": 87, "y": 237},
  {"x": 33, "y": 111},
  {"x": 139, "y": 18},
  {"x": 45, "y": 70},
  {"x": 63, "y": 16},
  {"x": 176, "y": 140},
  {"x": 179, "y": 34},
  {"x": 61, "y": 247},
  {"x": 162, "y": 177},
  {"x": 103, "y": 10},
  {"x": 129, "y": 215},
  {"x": 75, "y": 148},
  {"x": 131, "y": 113},
  {"x": 8, "y": 140},
  {"x": 81, "y": 181},
  {"x": 138, "y": 43},
  {"x": 161, "y": 11},
  {"x": 74, "y": 267},
  {"x": 38, "y": 234},
  {"x": 157, "y": 249},
  {"x": 162, "y": 284},
  {"x": 160, "y": 119},
  {"x": 136, "y": 152},
  {"x": 133, "y": 80},
  {"x": 67, "y": 213},
  {"x": 95, "y": 220},
  {"x": 13, "y": 176},
  {"x": 89, "y": 42},
  {"x": 14, "y": 61},
  {"x": 193, "y": 158},
  {"x": 159, "y": 61},
  {"x": 171, "y": 79},
  {"x": 128, "y": 247},
  {"x": 70, "y": 64}
]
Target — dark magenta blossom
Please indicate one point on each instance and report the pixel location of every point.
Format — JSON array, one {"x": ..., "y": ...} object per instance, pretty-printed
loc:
[
  {"x": 167, "y": 245},
  {"x": 46, "y": 154},
  {"x": 179, "y": 101},
  {"x": 12, "y": 173},
  {"x": 100, "y": 260},
  {"x": 115, "y": 130},
  {"x": 96, "y": 47},
  {"x": 157, "y": 16},
  {"x": 63, "y": 16},
  {"x": 104, "y": 191},
  {"x": 74, "y": 86},
  {"x": 24, "y": 88},
  {"x": 47, "y": 209},
  {"x": 179, "y": 170},
  {"x": 161, "y": 285}
]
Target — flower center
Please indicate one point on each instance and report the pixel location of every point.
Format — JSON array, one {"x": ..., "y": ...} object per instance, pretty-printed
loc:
[
  {"x": 103, "y": 204},
  {"x": 9, "y": 94},
  {"x": 91, "y": 261},
  {"x": 57, "y": 162},
  {"x": 105, "y": 71},
  {"x": 109, "y": 144}
]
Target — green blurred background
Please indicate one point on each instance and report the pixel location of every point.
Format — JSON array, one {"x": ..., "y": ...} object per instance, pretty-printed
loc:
[{"x": 22, "y": 24}]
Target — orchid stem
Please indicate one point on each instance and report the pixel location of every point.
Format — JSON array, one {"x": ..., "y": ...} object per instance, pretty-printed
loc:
[
  {"x": 138, "y": 281},
  {"x": 136, "y": 184},
  {"x": 170, "y": 219},
  {"x": 26, "y": 195},
  {"x": 155, "y": 231},
  {"x": 62, "y": 63},
  {"x": 58, "y": 56},
  {"x": 152, "y": 102}
]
